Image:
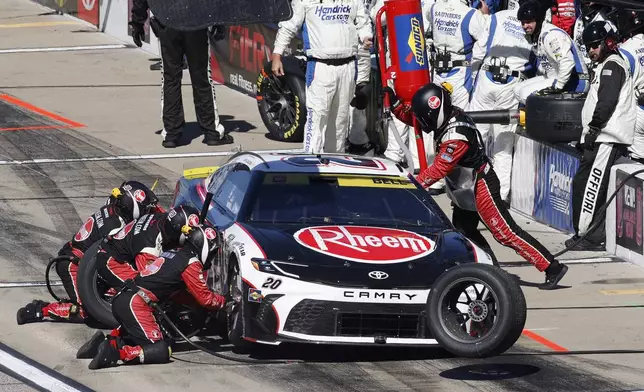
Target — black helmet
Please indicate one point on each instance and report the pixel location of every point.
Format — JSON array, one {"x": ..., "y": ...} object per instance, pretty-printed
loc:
[
  {"x": 432, "y": 106},
  {"x": 133, "y": 200},
  {"x": 600, "y": 32},
  {"x": 532, "y": 10},
  {"x": 202, "y": 240},
  {"x": 175, "y": 219},
  {"x": 590, "y": 10}
]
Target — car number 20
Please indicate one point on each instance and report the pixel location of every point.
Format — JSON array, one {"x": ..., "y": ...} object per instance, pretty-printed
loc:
[{"x": 272, "y": 283}]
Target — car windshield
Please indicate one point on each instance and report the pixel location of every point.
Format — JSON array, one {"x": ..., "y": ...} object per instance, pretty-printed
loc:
[{"x": 342, "y": 199}]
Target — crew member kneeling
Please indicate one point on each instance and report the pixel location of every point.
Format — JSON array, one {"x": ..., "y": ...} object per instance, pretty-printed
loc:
[
  {"x": 139, "y": 338},
  {"x": 608, "y": 117},
  {"x": 471, "y": 182}
]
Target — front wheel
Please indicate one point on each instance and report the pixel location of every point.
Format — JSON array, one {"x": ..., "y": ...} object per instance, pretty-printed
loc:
[
  {"x": 91, "y": 291},
  {"x": 235, "y": 319},
  {"x": 476, "y": 311}
]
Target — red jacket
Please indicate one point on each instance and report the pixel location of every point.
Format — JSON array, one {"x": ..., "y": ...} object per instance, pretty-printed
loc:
[{"x": 564, "y": 15}]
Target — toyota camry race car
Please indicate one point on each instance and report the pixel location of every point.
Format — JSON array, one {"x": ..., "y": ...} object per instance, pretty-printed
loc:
[{"x": 346, "y": 249}]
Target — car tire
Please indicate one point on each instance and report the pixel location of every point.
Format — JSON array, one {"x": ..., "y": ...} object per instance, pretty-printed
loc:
[
  {"x": 235, "y": 320},
  {"x": 90, "y": 292},
  {"x": 504, "y": 299},
  {"x": 282, "y": 104},
  {"x": 554, "y": 118}
]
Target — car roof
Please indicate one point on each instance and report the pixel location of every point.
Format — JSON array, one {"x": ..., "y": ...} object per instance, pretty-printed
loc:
[{"x": 317, "y": 163}]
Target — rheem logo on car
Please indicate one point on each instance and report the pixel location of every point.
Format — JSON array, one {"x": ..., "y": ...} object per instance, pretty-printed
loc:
[{"x": 371, "y": 245}]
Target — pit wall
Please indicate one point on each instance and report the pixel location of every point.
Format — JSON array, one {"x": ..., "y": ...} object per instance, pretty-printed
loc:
[{"x": 541, "y": 175}]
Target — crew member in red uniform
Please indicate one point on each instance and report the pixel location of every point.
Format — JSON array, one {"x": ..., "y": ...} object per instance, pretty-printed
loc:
[
  {"x": 127, "y": 202},
  {"x": 141, "y": 241},
  {"x": 471, "y": 182},
  {"x": 139, "y": 339},
  {"x": 564, "y": 14}
]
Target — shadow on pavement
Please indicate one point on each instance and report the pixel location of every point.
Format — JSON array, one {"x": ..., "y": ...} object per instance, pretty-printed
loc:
[{"x": 490, "y": 372}]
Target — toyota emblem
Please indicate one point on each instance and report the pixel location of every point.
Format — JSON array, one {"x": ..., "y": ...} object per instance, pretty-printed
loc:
[{"x": 378, "y": 275}]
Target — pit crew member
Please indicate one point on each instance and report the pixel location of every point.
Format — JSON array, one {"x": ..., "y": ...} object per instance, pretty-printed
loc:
[
  {"x": 455, "y": 30},
  {"x": 194, "y": 46},
  {"x": 633, "y": 51},
  {"x": 141, "y": 242},
  {"x": 139, "y": 339},
  {"x": 508, "y": 59},
  {"x": 590, "y": 12},
  {"x": 471, "y": 182},
  {"x": 561, "y": 67},
  {"x": 608, "y": 117},
  {"x": 564, "y": 15},
  {"x": 126, "y": 203},
  {"x": 331, "y": 34}
]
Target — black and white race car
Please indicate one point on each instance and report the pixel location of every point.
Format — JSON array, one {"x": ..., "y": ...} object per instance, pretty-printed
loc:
[{"x": 347, "y": 250}]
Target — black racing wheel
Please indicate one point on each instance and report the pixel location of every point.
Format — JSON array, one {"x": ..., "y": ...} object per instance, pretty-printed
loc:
[
  {"x": 91, "y": 289},
  {"x": 476, "y": 310},
  {"x": 282, "y": 104}
]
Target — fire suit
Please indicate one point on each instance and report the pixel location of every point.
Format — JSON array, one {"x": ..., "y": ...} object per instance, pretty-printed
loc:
[
  {"x": 331, "y": 33},
  {"x": 130, "y": 250},
  {"x": 461, "y": 154},
  {"x": 560, "y": 65},
  {"x": 103, "y": 223},
  {"x": 564, "y": 15},
  {"x": 196, "y": 48},
  {"x": 508, "y": 56},
  {"x": 610, "y": 113},
  {"x": 139, "y": 339},
  {"x": 455, "y": 30},
  {"x": 580, "y": 24},
  {"x": 633, "y": 52}
]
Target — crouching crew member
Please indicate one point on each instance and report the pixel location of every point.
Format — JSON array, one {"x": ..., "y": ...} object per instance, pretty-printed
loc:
[{"x": 139, "y": 339}]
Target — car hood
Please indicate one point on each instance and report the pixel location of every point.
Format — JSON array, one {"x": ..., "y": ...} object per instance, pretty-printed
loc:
[{"x": 361, "y": 256}]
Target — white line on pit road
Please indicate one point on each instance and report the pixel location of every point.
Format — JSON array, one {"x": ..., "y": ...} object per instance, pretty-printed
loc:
[
  {"x": 33, "y": 375},
  {"x": 13, "y": 285},
  {"x": 63, "y": 48},
  {"x": 136, "y": 157}
]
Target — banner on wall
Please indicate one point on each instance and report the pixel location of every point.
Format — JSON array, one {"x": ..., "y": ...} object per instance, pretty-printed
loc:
[
  {"x": 88, "y": 11},
  {"x": 239, "y": 58},
  {"x": 522, "y": 184},
  {"x": 553, "y": 195},
  {"x": 628, "y": 230}
]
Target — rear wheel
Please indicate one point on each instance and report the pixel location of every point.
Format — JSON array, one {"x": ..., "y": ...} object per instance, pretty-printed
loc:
[
  {"x": 476, "y": 311},
  {"x": 282, "y": 105},
  {"x": 91, "y": 289}
]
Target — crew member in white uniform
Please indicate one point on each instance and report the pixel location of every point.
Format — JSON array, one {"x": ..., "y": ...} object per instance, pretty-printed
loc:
[
  {"x": 507, "y": 57},
  {"x": 589, "y": 13},
  {"x": 358, "y": 137},
  {"x": 455, "y": 28},
  {"x": 331, "y": 32},
  {"x": 608, "y": 117},
  {"x": 633, "y": 51},
  {"x": 560, "y": 65}
]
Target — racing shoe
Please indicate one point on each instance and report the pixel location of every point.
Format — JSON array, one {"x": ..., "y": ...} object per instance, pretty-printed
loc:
[
  {"x": 213, "y": 139},
  {"x": 106, "y": 356},
  {"x": 90, "y": 349},
  {"x": 32, "y": 313},
  {"x": 554, "y": 273}
]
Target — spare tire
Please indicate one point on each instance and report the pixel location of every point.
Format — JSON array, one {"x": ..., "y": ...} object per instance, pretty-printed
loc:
[
  {"x": 91, "y": 289},
  {"x": 281, "y": 101},
  {"x": 554, "y": 118}
]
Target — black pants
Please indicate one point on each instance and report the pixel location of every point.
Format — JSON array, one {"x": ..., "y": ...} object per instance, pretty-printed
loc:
[
  {"x": 590, "y": 188},
  {"x": 491, "y": 210},
  {"x": 195, "y": 46}
]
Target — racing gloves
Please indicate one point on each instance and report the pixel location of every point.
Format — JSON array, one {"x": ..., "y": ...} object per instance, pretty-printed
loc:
[{"x": 138, "y": 33}]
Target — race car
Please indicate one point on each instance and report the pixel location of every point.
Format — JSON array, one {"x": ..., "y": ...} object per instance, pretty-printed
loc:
[{"x": 340, "y": 249}]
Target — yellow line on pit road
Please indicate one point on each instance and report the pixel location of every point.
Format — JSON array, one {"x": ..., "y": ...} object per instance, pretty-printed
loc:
[
  {"x": 622, "y": 292},
  {"x": 37, "y": 24}
]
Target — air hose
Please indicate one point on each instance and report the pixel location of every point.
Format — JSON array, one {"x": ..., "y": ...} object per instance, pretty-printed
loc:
[
  {"x": 216, "y": 354},
  {"x": 51, "y": 263},
  {"x": 599, "y": 214}
]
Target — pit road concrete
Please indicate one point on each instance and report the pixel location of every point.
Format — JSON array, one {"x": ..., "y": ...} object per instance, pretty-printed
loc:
[{"x": 583, "y": 337}]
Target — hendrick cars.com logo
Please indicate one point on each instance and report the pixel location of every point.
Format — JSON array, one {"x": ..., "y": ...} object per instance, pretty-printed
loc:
[{"x": 372, "y": 245}]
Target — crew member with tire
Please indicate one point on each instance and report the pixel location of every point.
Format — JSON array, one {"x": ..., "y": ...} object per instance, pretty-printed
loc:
[
  {"x": 139, "y": 339},
  {"x": 561, "y": 66},
  {"x": 194, "y": 45},
  {"x": 332, "y": 33},
  {"x": 471, "y": 182},
  {"x": 139, "y": 243},
  {"x": 126, "y": 203},
  {"x": 609, "y": 116}
]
